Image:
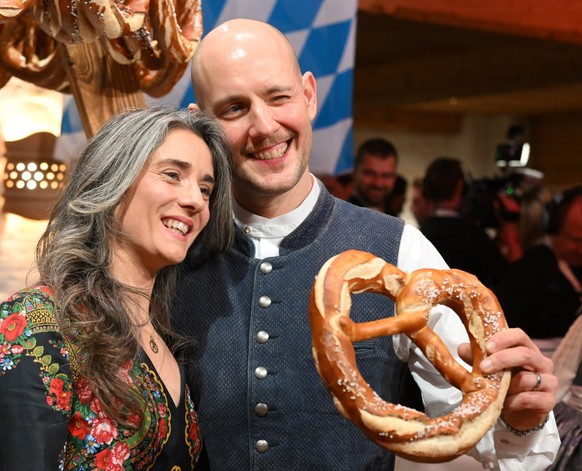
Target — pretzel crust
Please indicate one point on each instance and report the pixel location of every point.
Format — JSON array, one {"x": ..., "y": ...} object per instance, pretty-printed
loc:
[
  {"x": 157, "y": 38},
  {"x": 405, "y": 431}
]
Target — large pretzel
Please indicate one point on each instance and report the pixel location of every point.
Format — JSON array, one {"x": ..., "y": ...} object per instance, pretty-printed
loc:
[{"x": 404, "y": 431}]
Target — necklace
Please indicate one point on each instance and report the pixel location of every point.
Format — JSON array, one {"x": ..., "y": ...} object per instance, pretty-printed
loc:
[{"x": 153, "y": 344}]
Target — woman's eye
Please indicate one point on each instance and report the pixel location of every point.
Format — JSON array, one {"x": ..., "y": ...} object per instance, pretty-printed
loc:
[
  {"x": 206, "y": 192},
  {"x": 172, "y": 175}
]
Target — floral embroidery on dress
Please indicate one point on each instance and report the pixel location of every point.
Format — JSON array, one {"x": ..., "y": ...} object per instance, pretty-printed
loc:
[
  {"x": 28, "y": 315},
  {"x": 30, "y": 338},
  {"x": 192, "y": 430},
  {"x": 15, "y": 332}
]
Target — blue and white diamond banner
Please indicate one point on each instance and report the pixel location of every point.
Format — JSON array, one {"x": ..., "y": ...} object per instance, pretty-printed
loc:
[{"x": 323, "y": 34}]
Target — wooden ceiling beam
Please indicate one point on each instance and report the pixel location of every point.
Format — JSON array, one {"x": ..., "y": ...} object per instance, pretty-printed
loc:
[
  {"x": 558, "y": 20},
  {"x": 388, "y": 119},
  {"x": 464, "y": 74}
]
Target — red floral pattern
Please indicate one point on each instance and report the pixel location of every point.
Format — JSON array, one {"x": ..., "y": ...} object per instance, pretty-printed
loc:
[
  {"x": 78, "y": 426},
  {"x": 13, "y": 326},
  {"x": 29, "y": 338}
]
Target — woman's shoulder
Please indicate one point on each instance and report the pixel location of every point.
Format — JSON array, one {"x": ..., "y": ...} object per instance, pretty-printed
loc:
[
  {"x": 31, "y": 345},
  {"x": 36, "y": 390},
  {"x": 35, "y": 306},
  {"x": 38, "y": 293}
]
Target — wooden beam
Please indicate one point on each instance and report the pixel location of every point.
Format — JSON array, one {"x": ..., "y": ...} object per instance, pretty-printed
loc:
[
  {"x": 465, "y": 74},
  {"x": 555, "y": 149},
  {"x": 101, "y": 86},
  {"x": 558, "y": 20},
  {"x": 398, "y": 120}
]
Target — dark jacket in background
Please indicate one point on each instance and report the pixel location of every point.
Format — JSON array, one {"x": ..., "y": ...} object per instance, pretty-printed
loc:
[
  {"x": 466, "y": 247},
  {"x": 536, "y": 296}
]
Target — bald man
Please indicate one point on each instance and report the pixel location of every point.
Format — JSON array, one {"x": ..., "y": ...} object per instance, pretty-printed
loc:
[{"x": 262, "y": 405}]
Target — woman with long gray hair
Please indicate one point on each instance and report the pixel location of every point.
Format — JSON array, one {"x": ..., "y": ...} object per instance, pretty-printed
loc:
[{"x": 90, "y": 370}]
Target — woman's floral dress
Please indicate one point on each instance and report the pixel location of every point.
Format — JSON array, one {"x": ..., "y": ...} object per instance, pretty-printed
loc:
[{"x": 49, "y": 418}]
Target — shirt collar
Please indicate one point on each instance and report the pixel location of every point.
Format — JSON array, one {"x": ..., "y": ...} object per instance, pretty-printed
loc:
[{"x": 278, "y": 227}]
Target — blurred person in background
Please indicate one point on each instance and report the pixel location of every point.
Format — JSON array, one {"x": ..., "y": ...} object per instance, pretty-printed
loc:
[
  {"x": 568, "y": 410},
  {"x": 397, "y": 196},
  {"x": 420, "y": 205},
  {"x": 374, "y": 174},
  {"x": 462, "y": 244},
  {"x": 541, "y": 292},
  {"x": 530, "y": 226},
  {"x": 341, "y": 186}
]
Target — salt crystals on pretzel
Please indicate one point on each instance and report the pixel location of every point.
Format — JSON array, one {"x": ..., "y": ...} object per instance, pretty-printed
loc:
[{"x": 404, "y": 431}]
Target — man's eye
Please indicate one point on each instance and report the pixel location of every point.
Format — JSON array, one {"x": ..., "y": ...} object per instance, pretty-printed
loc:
[
  {"x": 232, "y": 110},
  {"x": 280, "y": 98}
]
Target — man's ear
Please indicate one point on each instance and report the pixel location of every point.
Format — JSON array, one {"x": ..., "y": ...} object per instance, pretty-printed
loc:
[{"x": 310, "y": 92}]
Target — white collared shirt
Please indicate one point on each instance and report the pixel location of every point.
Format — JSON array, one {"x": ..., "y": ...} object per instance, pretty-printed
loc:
[{"x": 267, "y": 234}]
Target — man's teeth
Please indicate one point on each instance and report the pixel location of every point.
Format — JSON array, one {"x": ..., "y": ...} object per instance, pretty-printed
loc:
[
  {"x": 273, "y": 153},
  {"x": 177, "y": 226}
]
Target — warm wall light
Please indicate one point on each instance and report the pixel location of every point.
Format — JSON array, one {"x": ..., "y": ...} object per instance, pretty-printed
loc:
[
  {"x": 30, "y": 120},
  {"x": 34, "y": 175},
  {"x": 27, "y": 109},
  {"x": 32, "y": 178}
]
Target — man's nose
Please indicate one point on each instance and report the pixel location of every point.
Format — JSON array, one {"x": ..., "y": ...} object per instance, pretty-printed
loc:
[{"x": 262, "y": 120}]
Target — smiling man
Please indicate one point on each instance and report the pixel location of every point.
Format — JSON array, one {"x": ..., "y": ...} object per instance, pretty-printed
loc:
[
  {"x": 374, "y": 174},
  {"x": 262, "y": 403}
]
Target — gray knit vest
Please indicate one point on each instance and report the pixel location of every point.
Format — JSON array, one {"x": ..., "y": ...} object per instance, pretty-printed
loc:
[{"x": 261, "y": 402}]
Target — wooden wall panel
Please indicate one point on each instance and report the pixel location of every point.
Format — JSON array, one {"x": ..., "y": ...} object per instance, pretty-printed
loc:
[
  {"x": 557, "y": 149},
  {"x": 548, "y": 19}
]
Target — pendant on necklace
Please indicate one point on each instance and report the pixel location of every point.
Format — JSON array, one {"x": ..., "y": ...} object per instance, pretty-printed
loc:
[{"x": 153, "y": 344}]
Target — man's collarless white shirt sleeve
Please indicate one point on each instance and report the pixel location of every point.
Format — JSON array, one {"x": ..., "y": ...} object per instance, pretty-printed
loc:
[{"x": 534, "y": 452}]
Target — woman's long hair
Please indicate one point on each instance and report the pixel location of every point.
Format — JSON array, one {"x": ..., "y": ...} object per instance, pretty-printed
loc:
[{"x": 74, "y": 254}]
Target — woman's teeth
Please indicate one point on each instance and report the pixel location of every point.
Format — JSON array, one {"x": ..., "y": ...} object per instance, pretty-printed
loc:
[{"x": 176, "y": 226}]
